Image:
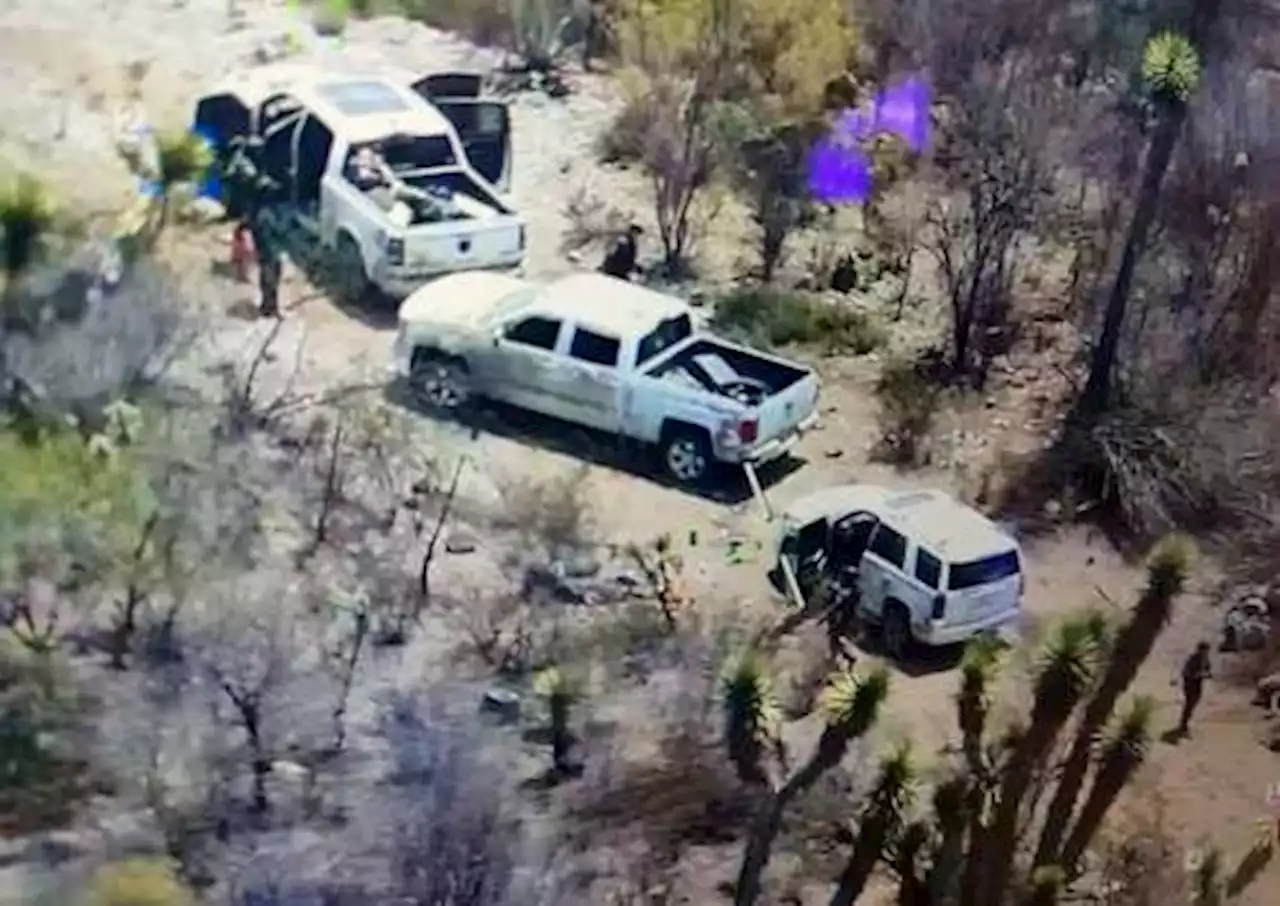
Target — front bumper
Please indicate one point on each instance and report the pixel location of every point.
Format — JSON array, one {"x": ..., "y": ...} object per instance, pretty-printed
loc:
[{"x": 774, "y": 448}]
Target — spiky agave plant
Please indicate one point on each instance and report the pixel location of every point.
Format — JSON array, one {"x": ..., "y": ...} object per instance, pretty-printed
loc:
[
  {"x": 1167, "y": 570},
  {"x": 1171, "y": 66},
  {"x": 1064, "y": 675},
  {"x": 1120, "y": 758},
  {"x": 850, "y": 703},
  {"x": 1046, "y": 886},
  {"x": 27, "y": 215},
  {"x": 880, "y": 820},
  {"x": 553, "y": 687},
  {"x": 750, "y": 716}
]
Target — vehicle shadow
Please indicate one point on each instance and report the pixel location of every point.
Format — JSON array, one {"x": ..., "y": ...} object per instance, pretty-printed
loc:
[
  {"x": 920, "y": 660},
  {"x": 373, "y": 310},
  {"x": 729, "y": 487}
]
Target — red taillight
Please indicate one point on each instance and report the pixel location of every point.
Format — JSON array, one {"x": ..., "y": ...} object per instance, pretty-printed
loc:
[
  {"x": 748, "y": 431},
  {"x": 939, "y": 606}
]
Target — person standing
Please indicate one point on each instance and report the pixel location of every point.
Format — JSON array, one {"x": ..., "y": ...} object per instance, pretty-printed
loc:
[
  {"x": 1195, "y": 670},
  {"x": 267, "y": 242},
  {"x": 620, "y": 261}
]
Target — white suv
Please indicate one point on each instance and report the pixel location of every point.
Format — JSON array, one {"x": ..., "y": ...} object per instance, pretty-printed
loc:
[{"x": 930, "y": 569}]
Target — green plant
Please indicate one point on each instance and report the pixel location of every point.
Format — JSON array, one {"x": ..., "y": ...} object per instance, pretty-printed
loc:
[
  {"x": 330, "y": 17},
  {"x": 137, "y": 882},
  {"x": 27, "y": 216},
  {"x": 850, "y": 704},
  {"x": 40, "y": 713},
  {"x": 1167, "y": 571},
  {"x": 775, "y": 318},
  {"x": 182, "y": 158},
  {"x": 1171, "y": 66}
]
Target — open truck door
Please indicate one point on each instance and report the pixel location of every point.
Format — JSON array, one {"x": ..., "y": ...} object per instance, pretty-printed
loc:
[
  {"x": 219, "y": 119},
  {"x": 483, "y": 124}
]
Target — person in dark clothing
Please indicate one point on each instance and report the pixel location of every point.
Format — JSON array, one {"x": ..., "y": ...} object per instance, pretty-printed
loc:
[
  {"x": 1195, "y": 670},
  {"x": 270, "y": 263},
  {"x": 620, "y": 261}
]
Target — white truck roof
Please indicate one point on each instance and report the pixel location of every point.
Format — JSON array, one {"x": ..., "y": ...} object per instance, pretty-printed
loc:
[
  {"x": 361, "y": 105},
  {"x": 608, "y": 305},
  {"x": 948, "y": 528},
  {"x": 933, "y": 519}
]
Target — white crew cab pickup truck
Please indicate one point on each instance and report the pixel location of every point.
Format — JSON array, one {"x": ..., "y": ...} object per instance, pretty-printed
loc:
[
  {"x": 447, "y": 148},
  {"x": 608, "y": 355},
  {"x": 926, "y": 567}
]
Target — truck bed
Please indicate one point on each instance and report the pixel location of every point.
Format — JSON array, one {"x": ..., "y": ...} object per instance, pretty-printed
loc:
[{"x": 697, "y": 360}]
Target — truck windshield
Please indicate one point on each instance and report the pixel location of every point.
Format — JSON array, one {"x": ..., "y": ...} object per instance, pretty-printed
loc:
[
  {"x": 667, "y": 334},
  {"x": 984, "y": 571}
]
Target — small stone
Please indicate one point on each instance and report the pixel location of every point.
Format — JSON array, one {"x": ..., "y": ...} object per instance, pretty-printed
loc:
[
  {"x": 460, "y": 543},
  {"x": 991, "y": 402},
  {"x": 1053, "y": 509},
  {"x": 834, "y": 454},
  {"x": 502, "y": 704}
]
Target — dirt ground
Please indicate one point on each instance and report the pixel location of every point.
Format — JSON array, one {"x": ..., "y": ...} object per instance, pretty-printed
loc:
[{"x": 68, "y": 55}]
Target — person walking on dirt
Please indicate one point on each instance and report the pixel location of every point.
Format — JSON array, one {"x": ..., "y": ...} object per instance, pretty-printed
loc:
[
  {"x": 1195, "y": 670},
  {"x": 620, "y": 261}
]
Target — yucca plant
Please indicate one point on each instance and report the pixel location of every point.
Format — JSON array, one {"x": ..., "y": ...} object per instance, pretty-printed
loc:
[
  {"x": 850, "y": 704},
  {"x": 1170, "y": 66},
  {"x": 1167, "y": 571},
  {"x": 973, "y": 701},
  {"x": 908, "y": 852},
  {"x": 553, "y": 687},
  {"x": 27, "y": 217},
  {"x": 879, "y": 822},
  {"x": 182, "y": 158},
  {"x": 751, "y": 716},
  {"x": 1120, "y": 758},
  {"x": 953, "y": 805},
  {"x": 1046, "y": 886},
  {"x": 1064, "y": 675}
]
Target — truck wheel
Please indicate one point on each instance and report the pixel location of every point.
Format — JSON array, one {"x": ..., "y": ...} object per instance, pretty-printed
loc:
[
  {"x": 895, "y": 630},
  {"x": 686, "y": 455},
  {"x": 349, "y": 280},
  {"x": 438, "y": 383}
]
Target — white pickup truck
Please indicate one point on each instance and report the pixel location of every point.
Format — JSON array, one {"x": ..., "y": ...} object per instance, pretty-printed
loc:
[
  {"x": 608, "y": 355},
  {"x": 446, "y": 147}
]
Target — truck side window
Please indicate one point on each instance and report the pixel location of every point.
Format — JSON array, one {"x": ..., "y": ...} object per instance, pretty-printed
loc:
[
  {"x": 540, "y": 333},
  {"x": 928, "y": 568},
  {"x": 594, "y": 348},
  {"x": 889, "y": 545}
]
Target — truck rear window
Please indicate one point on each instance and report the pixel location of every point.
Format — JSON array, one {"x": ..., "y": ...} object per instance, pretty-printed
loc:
[
  {"x": 984, "y": 571},
  {"x": 667, "y": 334}
]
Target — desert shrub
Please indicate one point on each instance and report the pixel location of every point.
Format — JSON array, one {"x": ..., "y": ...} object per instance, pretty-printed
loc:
[
  {"x": 329, "y": 18},
  {"x": 777, "y": 318},
  {"x": 485, "y": 22},
  {"x": 908, "y": 404},
  {"x": 137, "y": 882},
  {"x": 41, "y": 776},
  {"x": 623, "y": 142}
]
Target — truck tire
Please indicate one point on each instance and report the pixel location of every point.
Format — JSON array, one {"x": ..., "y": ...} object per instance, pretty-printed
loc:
[
  {"x": 349, "y": 279},
  {"x": 439, "y": 383},
  {"x": 895, "y": 629},
  {"x": 686, "y": 454}
]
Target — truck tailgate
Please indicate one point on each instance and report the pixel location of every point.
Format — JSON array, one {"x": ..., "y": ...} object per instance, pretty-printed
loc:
[
  {"x": 466, "y": 244},
  {"x": 783, "y": 413}
]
